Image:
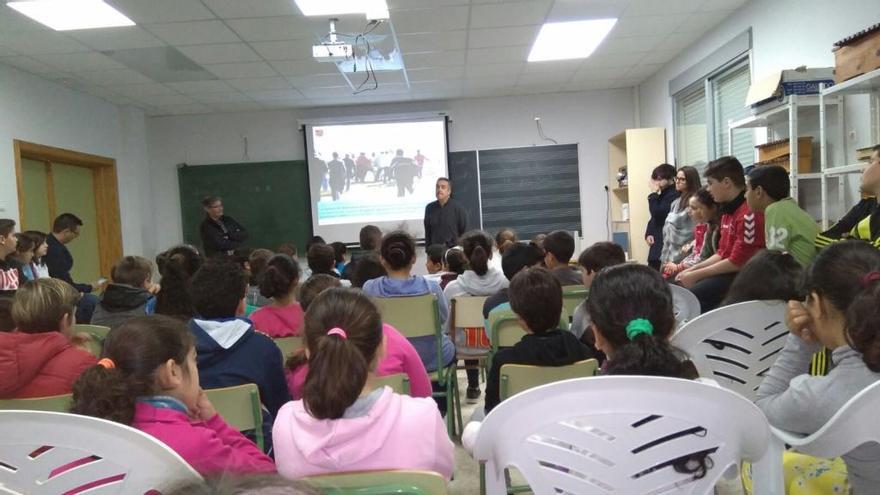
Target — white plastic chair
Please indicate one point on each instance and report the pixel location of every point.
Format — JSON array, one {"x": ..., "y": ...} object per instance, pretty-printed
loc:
[
  {"x": 618, "y": 435},
  {"x": 685, "y": 304},
  {"x": 853, "y": 425},
  {"x": 37, "y": 449},
  {"x": 735, "y": 345}
]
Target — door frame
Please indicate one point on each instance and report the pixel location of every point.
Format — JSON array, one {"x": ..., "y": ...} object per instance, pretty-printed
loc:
[{"x": 109, "y": 228}]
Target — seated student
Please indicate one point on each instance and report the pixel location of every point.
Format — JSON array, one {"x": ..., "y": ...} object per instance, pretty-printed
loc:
[
  {"x": 593, "y": 259},
  {"x": 516, "y": 257},
  {"x": 367, "y": 268},
  {"x": 177, "y": 266},
  {"x": 742, "y": 235},
  {"x": 768, "y": 276},
  {"x": 434, "y": 261},
  {"x": 321, "y": 259},
  {"x": 840, "y": 313},
  {"x": 148, "y": 379},
  {"x": 38, "y": 359},
  {"x": 38, "y": 264},
  {"x": 283, "y": 316},
  {"x": 129, "y": 294},
  {"x": 503, "y": 238},
  {"x": 229, "y": 351},
  {"x": 863, "y": 220},
  {"x": 256, "y": 264},
  {"x": 10, "y": 275},
  {"x": 559, "y": 248},
  {"x": 398, "y": 254},
  {"x": 400, "y": 355},
  {"x": 786, "y": 227},
  {"x": 536, "y": 298},
  {"x": 704, "y": 212},
  {"x": 343, "y": 422},
  {"x": 480, "y": 279},
  {"x": 339, "y": 251},
  {"x": 678, "y": 228},
  {"x": 454, "y": 264},
  {"x": 370, "y": 237},
  {"x": 22, "y": 256}
]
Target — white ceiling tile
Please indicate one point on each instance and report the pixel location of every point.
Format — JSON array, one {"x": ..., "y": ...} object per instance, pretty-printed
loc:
[
  {"x": 571, "y": 10},
  {"x": 519, "y": 35},
  {"x": 643, "y": 71},
  {"x": 432, "y": 20},
  {"x": 497, "y": 55},
  {"x": 7, "y": 52},
  {"x": 236, "y": 106},
  {"x": 530, "y": 89},
  {"x": 653, "y": 7},
  {"x": 252, "y": 8},
  {"x": 234, "y": 97},
  {"x": 318, "y": 81},
  {"x": 569, "y": 66},
  {"x": 303, "y": 67},
  {"x": 423, "y": 86},
  {"x": 29, "y": 65},
  {"x": 543, "y": 78},
  {"x": 428, "y": 42},
  {"x": 273, "y": 28},
  {"x": 649, "y": 25},
  {"x": 165, "y": 100},
  {"x": 79, "y": 61},
  {"x": 660, "y": 56},
  {"x": 194, "y": 32},
  {"x": 592, "y": 73},
  {"x": 241, "y": 70},
  {"x": 493, "y": 70},
  {"x": 438, "y": 94},
  {"x": 436, "y": 73},
  {"x": 433, "y": 59},
  {"x": 621, "y": 60},
  {"x": 139, "y": 90},
  {"x": 220, "y": 54},
  {"x": 40, "y": 42},
  {"x": 153, "y": 11},
  {"x": 710, "y": 5},
  {"x": 117, "y": 38},
  {"x": 115, "y": 76},
  {"x": 276, "y": 94},
  {"x": 385, "y": 77},
  {"x": 187, "y": 109},
  {"x": 626, "y": 83},
  {"x": 197, "y": 87},
  {"x": 260, "y": 83},
  {"x": 701, "y": 22},
  {"x": 678, "y": 41},
  {"x": 509, "y": 14},
  {"x": 285, "y": 50},
  {"x": 589, "y": 85},
  {"x": 327, "y": 92},
  {"x": 489, "y": 82},
  {"x": 386, "y": 89},
  {"x": 615, "y": 45},
  {"x": 284, "y": 103}
]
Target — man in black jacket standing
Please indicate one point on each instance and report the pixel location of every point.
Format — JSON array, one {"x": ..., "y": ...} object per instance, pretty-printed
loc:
[
  {"x": 220, "y": 233},
  {"x": 445, "y": 220}
]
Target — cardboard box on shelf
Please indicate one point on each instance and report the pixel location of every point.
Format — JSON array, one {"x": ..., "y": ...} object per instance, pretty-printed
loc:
[
  {"x": 857, "y": 54},
  {"x": 776, "y": 149},
  {"x": 805, "y": 165},
  {"x": 774, "y": 89},
  {"x": 864, "y": 154}
]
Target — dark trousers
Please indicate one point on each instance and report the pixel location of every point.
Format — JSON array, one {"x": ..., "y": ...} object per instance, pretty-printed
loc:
[
  {"x": 473, "y": 375},
  {"x": 336, "y": 192},
  {"x": 85, "y": 308},
  {"x": 711, "y": 291},
  {"x": 404, "y": 185},
  {"x": 655, "y": 264}
]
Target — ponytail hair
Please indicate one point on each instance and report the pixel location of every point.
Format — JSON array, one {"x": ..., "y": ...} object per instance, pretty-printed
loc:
[
  {"x": 343, "y": 331},
  {"x": 279, "y": 276},
  {"x": 136, "y": 348},
  {"x": 622, "y": 295},
  {"x": 176, "y": 267},
  {"x": 847, "y": 275},
  {"x": 398, "y": 249},
  {"x": 477, "y": 248}
]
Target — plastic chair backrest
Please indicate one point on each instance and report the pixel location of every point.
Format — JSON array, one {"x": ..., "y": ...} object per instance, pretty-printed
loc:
[
  {"x": 289, "y": 345},
  {"x": 380, "y": 483},
  {"x": 399, "y": 382},
  {"x": 240, "y": 407},
  {"x": 572, "y": 297},
  {"x": 107, "y": 456},
  {"x": 735, "y": 345},
  {"x": 467, "y": 311},
  {"x": 685, "y": 304},
  {"x": 618, "y": 434},
  {"x": 55, "y": 403},
  {"x": 505, "y": 328},
  {"x": 516, "y": 378},
  {"x": 412, "y": 316},
  {"x": 98, "y": 333}
]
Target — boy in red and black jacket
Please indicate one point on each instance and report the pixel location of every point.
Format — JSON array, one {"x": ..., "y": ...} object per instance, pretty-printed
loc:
[{"x": 742, "y": 235}]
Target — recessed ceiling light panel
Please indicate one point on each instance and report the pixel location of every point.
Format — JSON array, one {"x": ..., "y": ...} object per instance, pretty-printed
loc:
[
  {"x": 67, "y": 15},
  {"x": 568, "y": 40}
]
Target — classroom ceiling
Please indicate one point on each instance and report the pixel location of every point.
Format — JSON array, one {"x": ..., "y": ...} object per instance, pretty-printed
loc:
[{"x": 256, "y": 54}]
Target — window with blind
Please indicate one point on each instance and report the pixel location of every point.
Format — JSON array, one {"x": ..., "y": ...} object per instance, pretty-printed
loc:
[
  {"x": 729, "y": 91},
  {"x": 690, "y": 128}
]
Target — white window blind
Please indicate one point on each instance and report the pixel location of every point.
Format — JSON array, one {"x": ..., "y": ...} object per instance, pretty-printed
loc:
[
  {"x": 691, "y": 147},
  {"x": 728, "y": 103}
]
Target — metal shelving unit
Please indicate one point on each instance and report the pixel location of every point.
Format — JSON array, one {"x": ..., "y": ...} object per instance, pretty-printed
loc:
[{"x": 865, "y": 84}]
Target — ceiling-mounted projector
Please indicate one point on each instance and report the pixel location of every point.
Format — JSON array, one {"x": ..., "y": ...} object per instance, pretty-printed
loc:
[{"x": 332, "y": 50}]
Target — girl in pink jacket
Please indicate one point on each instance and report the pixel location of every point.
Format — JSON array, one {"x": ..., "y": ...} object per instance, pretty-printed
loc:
[
  {"x": 284, "y": 316},
  {"x": 342, "y": 422},
  {"x": 148, "y": 379}
]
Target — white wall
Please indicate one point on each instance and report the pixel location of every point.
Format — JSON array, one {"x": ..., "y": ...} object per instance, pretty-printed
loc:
[
  {"x": 586, "y": 118},
  {"x": 43, "y": 112}
]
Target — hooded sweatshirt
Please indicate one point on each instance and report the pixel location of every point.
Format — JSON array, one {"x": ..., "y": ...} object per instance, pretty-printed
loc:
[
  {"x": 381, "y": 430},
  {"x": 230, "y": 353},
  {"x": 417, "y": 285},
  {"x": 121, "y": 302},
  {"x": 39, "y": 364},
  {"x": 552, "y": 348}
]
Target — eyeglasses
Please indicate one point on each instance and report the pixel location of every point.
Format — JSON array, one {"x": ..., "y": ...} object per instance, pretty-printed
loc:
[{"x": 681, "y": 179}]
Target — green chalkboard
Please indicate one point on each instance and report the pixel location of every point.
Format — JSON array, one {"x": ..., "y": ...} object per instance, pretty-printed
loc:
[{"x": 270, "y": 199}]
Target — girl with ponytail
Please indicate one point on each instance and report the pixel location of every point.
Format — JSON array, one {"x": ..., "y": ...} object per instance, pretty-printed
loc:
[
  {"x": 343, "y": 422},
  {"x": 279, "y": 281},
  {"x": 148, "y": 379},
  {"x": 842, "y": 313},
  {"x": 177, "y": 266}
]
